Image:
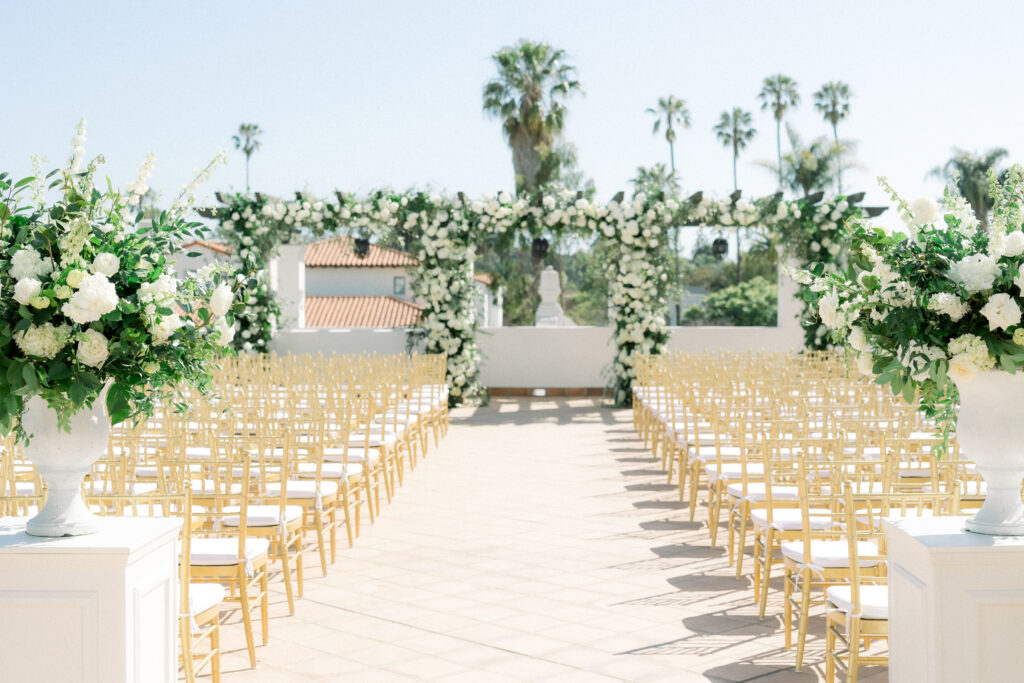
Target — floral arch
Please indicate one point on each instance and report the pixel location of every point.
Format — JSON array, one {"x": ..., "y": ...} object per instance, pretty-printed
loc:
[{"x": 444, "y": 231}]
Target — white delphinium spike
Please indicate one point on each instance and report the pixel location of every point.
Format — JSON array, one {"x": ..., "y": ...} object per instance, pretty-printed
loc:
[
  {"x": 38, "y": 191},
  {"x": 187, "y": 198},
  {"x": 138, "y": 187},
  {"x": 78, "y": 148}
]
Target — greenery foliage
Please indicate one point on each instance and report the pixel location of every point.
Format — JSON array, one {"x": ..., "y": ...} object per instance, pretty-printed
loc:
[
  {"x": 934, "y": 305},
  {"x": 95, "y": 300},
  {"x": 754, "y": 302}
]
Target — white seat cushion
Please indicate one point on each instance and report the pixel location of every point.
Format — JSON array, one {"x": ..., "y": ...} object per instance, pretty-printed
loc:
[
  {"x": 734, "y": 470},
  {"x": 833, "y": 554},
  {"x": 331, "y": 470},
  {"x": 218, "y": 552},
  {"x": 756, "y": 491},
  {"x": 354, "y": 455},
  {"x": 791, "y": 519},
  {"x": 303, "y": 488},
  {"x": 709, "y": 452},
  {"x": 264, "y": 515},
  {"x": 203, "y": 596},
  {"x": 874, "y": 600}
]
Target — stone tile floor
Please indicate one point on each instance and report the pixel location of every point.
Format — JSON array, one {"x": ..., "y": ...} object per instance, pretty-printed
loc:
[{"x": 540, "y": 542}]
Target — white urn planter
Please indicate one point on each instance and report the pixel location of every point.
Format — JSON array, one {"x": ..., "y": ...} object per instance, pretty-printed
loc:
[
  {"x": 63, "y": 459},
  {"x": 990, "y": 429}
]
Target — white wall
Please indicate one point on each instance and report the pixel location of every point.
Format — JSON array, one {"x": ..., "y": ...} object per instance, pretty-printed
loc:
[
  {"x": 185, "y": 264},
  {"x": 329, "y": 340},
  {"x": 356, "y": 282},
  {"x": 540, "y": 357},
  {"x": 558, "y": 357}
]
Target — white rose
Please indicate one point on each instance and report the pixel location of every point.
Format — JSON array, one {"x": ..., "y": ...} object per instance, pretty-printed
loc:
[
  {"x": 962, "y": 368},
  {"x": 94, "y": 350},
  {"x": 976, "y": 272},
  {"x": 220, "y": 299},
  {"x": 924, "y": 211},
  {"x": 227, "y": 332},
  {"x": 865, "y": 364},
  {"x": 107, "y": 264},
  {"x": 26, "y": 289},
  {"x": 1001, "y": 311},
  {"x": 167, "y": 326},
  {"x": 828, "y": 310},
  {"x": 858, "y": 339},
  {"x": 1014, "y": 244},
  {"x": 96, "y": 296}
]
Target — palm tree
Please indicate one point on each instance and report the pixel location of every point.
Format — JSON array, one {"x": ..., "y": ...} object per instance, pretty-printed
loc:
[
  {"x": 655, "y": 179},
  {"x": 833, "y": 102},
  {"x": 778, "y": 93},
  {"x": 248, "y": 141},
  {"x": 734, "y": 130},
  {"x": 527, "y": 96},
  {"x": 806, "y": 168},
  {"x": 674, "y": 112},
  {"x": 968, "y": 173}
]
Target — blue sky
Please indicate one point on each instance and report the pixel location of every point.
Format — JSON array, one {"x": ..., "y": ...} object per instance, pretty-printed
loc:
[{"x": 356, "y": 96}]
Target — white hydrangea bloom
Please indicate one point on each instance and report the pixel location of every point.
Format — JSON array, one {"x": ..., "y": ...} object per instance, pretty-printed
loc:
[
  {"x": 43, "y": 341},
  {"x": 976, "y": 272},
  {"x": 96, "y": 296}
]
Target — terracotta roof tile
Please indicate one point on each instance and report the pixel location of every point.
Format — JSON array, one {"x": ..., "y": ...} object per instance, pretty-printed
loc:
[
  {"x": 218, "y": 247},
  {"x": 361, "y": 311},
  {"x": 338, "y": 253},
  {"x": 485, "y": 278}
]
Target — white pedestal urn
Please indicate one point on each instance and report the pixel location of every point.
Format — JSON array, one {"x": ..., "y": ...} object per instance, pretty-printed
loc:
[
  {"x": 990, "y": 429},
  {"x": 63, "y": 459}
]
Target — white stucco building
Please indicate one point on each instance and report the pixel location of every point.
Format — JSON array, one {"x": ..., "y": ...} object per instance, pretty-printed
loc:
[{"x": 328, "y": 285}]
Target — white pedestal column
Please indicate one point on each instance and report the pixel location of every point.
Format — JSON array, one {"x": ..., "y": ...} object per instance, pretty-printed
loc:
[
  {"x": 956, "y": 603},
  {"x": 101, "y": 608},
  {"x": 288, "y": 276}
]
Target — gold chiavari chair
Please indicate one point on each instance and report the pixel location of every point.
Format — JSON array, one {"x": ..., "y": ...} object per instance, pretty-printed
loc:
[{"x": 223, "y": 553}]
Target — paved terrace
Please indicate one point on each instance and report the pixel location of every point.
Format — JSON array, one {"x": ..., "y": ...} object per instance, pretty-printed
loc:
[{"x": 539, "y": 543}]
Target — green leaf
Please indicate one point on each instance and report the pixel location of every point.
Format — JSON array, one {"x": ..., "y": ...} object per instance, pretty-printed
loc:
[
  {"x": 58, "y": 371},
  {"x": 28, "y": 373},
  {"x": 78, "y": 392}
]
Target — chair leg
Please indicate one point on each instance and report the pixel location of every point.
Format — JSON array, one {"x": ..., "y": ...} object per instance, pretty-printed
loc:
[
  {"x": 319, "y": 521},
  {"x": 188, "y": 663},
  {"x": 805, "y": 607},
  {"x": 299, "y": 578},
  {"x": 769, "y": 548},
  {"x": 215, "y": 645},
  {"x": 265, "y": 606},
  {"x": 741, "y": 542},
  {"x": 830, "y": 648},
  {"x": 853, "y": 638},
  {"x": 282, "y": 546},
  {"x": 787, "y": 607},
  {"x": 246, "y": 605}
]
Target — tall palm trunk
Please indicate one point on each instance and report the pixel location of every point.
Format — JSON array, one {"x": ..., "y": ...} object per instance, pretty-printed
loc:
[
  {"x": 839, "y": 159},
  {"x": 736, "y": 186},
  {"x": 778, "y": 146},
  {"x": 247, "y": 172}
]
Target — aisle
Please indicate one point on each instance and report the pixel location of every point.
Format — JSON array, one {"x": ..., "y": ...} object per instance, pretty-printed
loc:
[{"x": 539, "y": 543}]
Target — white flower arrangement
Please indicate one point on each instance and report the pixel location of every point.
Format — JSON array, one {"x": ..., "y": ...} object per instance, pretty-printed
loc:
[
  {"x": 92, "y": 300},
  {"x": 939, "y": 301}
]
